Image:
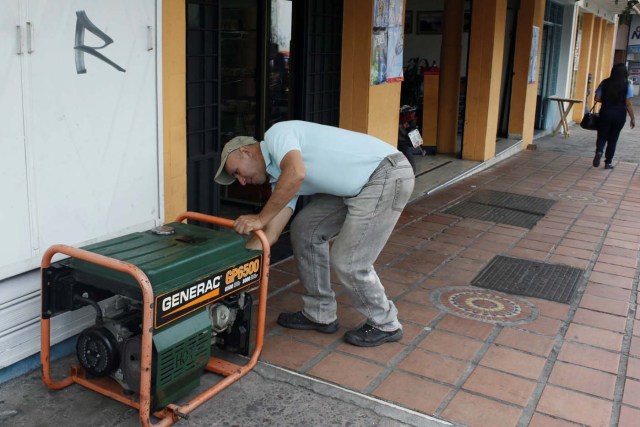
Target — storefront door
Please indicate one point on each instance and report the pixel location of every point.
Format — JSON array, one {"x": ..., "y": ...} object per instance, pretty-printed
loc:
[{"x": 251, "y": 64}]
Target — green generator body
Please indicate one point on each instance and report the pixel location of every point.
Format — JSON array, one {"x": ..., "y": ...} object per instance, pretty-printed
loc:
[{"x": 199, "y": 278}]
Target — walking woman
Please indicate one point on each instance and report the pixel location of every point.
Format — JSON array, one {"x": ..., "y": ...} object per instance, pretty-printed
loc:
[{"x": 614, "y": 94}]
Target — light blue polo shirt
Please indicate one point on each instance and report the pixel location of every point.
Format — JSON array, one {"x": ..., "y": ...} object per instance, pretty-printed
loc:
[{"x": 337, "y": 161}]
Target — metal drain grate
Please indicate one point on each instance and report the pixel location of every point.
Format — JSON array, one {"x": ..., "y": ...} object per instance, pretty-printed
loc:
[
  {"x": 503, "y": 208},
  {"x": 520, "y": 202},
  {"x": 530, "y": 278}
]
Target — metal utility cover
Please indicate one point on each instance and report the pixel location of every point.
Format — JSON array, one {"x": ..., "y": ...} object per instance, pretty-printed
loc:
[
  {"x": 530, "y": 278},
  {"x": 504, "y": 208}
]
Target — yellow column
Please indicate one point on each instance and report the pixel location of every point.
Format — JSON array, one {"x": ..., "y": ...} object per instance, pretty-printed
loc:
[
  {"x": 449, "y": 92},
  {"x": 364, "y": 108},
  {"x": 583, "y": 65},
  {"x": 174, "y": 107},
  {"x": 594, "y": 62},
  {"x": 608, "y": 48},
  {"x": 356, "y": 60},
  {"x": 430, "y": 110},
  {"x": 524, "y": 95},
  {"x": 484, "y": 79}
]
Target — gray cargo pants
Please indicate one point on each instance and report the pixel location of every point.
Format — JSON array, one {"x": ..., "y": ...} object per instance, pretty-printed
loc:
[{"x": 363, "y": 224}]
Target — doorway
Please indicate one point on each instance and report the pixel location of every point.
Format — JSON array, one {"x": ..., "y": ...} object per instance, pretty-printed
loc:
[
  {"x": 251, "y": 64},
  {"x": 549, "y": 60}
]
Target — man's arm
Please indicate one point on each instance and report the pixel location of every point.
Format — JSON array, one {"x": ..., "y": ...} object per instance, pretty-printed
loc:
[
  {"x": 273, "y": 229},
  {"x": 287, "y": 186}
]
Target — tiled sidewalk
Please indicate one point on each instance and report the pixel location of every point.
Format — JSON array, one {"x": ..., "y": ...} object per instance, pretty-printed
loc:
[{"x": 575, "y": 364}]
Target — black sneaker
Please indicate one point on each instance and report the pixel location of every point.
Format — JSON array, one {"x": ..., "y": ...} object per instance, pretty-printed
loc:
[
  {"x": 370, "y": 336},
  {"x": 596, "y": 159},
  {"x": 608, "y": 166},
  {"x": 298, "y": 320}
]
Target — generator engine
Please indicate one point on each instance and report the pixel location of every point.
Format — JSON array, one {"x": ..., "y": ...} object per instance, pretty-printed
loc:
[{"x": 200, "y": 280}]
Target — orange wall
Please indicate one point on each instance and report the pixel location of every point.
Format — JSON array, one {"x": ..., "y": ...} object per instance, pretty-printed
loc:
[{"x": 174, "y": 108}]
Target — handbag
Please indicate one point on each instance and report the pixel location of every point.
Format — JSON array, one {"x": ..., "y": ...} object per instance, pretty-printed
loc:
[{"x": 590, "y": 120}]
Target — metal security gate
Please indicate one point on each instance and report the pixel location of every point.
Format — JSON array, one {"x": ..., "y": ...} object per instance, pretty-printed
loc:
[
  {"x": 241, "y": 79},
  {"x": 203, "y": 105},
  {"x": 318, "y": 45}
]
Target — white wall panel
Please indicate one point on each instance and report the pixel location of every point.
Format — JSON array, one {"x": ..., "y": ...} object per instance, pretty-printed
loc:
[
  {"x": 94, "y": 134},
  {"x": 14, "y": 197}
]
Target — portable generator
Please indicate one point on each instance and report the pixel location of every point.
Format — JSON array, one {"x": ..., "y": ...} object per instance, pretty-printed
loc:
[{"x": 175, "y": 291}]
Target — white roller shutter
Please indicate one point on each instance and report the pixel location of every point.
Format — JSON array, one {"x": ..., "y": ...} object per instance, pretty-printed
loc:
[{"x": 80, "y": 152}]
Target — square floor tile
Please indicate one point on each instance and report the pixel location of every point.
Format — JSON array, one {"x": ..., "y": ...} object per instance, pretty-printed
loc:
[
  {"x": 285, "y": 301},
  {"x": 590, "y": 357},
  {"x": 417, "y": 266},
  {"x": 583, "y": 379},
  {"x": 349, "y": 317},
  {"x": 595, "y": 337},
  {"x": 618, "y": 270},
  {"x": 381, "y": 354},
  {"x": 631, "y": 394},
  {"x": 401, "y": 275},
  {"x": 476, "y": 411},
  {"x": 610, "y": 292},
  {"x": 618, "y": 260},
  {"x": 628, "y": 417},
  {"x": 605, "y": 305},
  {"x": 574, "y": 406},
  {"x": 633, "y": 368},
  {"x": 525, "y": 341},
  {"x": 410, "y": 333},
  {"x": 467, "y": 327},
  {"x": 434, "y": 366},
  {"x": 418, "y": 296},
  {"x": 597, "y": 319},
  {"x": 288, "y": 352},
  {"x": 416, "y": 313},
  {"x": 550, "y": 308},
  {"x": 513, "y": 362},
  {"x": 500, "y": 385},
  {"x": 451, "y": 344},
  {"x": 541, "y": 420},
  {"x": 314, "y": 337},
  {"x": 401, "y": 389},
  {"x": 346, "y": 371},
  {"x": 611, "y": 280},
  {"x": 542, "y": 325}
]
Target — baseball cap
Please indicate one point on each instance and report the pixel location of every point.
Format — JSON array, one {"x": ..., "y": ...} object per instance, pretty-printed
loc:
[{"x": 222, "y": 177}]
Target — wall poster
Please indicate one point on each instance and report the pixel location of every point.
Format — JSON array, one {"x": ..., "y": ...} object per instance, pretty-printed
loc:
[
  {"x": 576, "y": 52},
  {"x": 533, "y": 57},
  {"x": 387, "y": 41}
]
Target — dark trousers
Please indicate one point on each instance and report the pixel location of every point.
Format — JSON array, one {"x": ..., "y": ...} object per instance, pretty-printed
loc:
[{"x": 610, "y": 124}]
